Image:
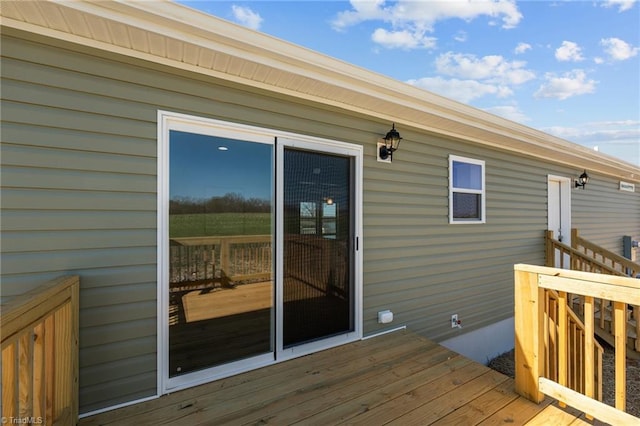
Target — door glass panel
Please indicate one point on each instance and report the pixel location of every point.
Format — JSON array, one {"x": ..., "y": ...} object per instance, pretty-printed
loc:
[
  {"x": 317, "y": 275},
  {"x": 220, "y": 251}
]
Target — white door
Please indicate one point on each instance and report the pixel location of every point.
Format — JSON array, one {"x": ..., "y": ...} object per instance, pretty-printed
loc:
[{"x": 559, "y": 212}]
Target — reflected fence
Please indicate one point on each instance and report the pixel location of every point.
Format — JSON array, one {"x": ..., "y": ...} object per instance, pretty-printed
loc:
[{"x": 207, "y": 262}]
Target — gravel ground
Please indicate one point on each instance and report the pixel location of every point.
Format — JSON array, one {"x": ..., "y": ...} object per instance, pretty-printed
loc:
[{"x": 505, "y": 364}]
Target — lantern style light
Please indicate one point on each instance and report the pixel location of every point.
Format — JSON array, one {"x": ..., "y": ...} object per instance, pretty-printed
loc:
[
  {"x": 583, "y": 179},
  {"x": 391, "y": 143}
]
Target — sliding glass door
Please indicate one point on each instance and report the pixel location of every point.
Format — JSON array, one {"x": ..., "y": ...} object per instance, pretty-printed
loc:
[
  {"x": 318, "y": 246},
  {"x": 220, "y": 250},
  {"x": 259, "y": 258}
]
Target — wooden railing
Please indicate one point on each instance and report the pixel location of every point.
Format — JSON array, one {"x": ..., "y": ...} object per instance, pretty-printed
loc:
[
  {"x": 558, "y": 318},
  {"x": 532, "y": 348},
  {"x": 560, "y": 255},
  {"x": 321, "y": 263},
  {"x": 589, "y": 257},
  {"x": 204, "y": 260},
  {"x": 40, "y": 355},
  {"x": 620, "y": 264}
]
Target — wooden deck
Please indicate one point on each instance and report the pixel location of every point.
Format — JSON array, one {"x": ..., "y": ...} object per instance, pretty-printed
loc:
[{"x": 398, "y": 378}]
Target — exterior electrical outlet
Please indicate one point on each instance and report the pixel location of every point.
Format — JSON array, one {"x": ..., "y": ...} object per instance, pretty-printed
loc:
[
  {"x": 455, "y": 322},
  {"x": 385, "y": 317}
]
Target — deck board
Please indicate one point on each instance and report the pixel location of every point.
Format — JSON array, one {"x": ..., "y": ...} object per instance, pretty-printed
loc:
[{"x": 398, "y": 378}]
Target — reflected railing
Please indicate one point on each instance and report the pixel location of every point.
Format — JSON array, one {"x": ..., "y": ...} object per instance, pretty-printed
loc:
[{"x": 207, "y": 262}]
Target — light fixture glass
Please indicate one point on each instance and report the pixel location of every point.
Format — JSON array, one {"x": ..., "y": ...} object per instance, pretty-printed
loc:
[
  {"x": 583, "y": 179},
  {"x": 391, "y": 143}
]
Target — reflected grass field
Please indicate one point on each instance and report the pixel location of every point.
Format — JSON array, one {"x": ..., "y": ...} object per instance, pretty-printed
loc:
[{"x": 219, "y": 224}]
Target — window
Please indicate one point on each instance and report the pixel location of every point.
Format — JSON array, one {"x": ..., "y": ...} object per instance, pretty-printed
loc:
[{"x": 466, "y": 190}]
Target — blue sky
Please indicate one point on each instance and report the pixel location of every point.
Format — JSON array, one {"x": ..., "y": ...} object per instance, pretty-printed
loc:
[
  {"x": 569, "y": 68},
  {"x": 207, "y": 166}
]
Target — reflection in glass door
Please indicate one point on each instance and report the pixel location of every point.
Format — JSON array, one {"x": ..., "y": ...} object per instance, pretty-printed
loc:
[
  {"x": 220, "y": 251},
  {"x": 318, "y": 231}
]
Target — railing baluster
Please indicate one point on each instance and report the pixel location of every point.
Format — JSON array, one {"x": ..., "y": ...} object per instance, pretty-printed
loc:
[
  {"x": 25, "y": 372},
  {"x": 636, "y": 317},
  {"x": 10, "y": 380},
  {"x": 589, "y": 344},
  {"x": 563, "y": 341},
  {"x": 620, "y": 334},
  {"x": 38, "y": 371},
  {"x": 547, "y": 328},
  {"x": 50, "y": 364}
]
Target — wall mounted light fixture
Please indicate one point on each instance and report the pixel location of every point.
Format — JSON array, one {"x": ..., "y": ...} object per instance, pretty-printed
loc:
[
  {"x": 582, "y": 180},
  {"x": 390, "y": 144}
]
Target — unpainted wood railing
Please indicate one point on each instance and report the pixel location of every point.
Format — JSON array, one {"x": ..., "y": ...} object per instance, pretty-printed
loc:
[
  {"x": 201, "y": 261},
  {"x": 40, "y": 355},
  {"x": 197, "y": 262},
  {"x": 556, "y": 318},
  {"x": 532, "y": 348},
  {"x": 620, "y": 264},
  {"x": 589, "y": 257}
]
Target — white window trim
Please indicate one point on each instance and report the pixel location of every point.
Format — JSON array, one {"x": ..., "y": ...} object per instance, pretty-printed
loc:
[{"x": 482, "y": 192}]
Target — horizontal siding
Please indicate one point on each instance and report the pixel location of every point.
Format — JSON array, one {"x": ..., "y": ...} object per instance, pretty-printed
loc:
[
  {"x": 79, "y": 196},
  {"x": 69, "y": 220},
  {"x": 77, "y": 239},
  {"x": 602, "y": 198},
  {"x": 425, "y": 269},
  {"x": 79, "y": 154}
]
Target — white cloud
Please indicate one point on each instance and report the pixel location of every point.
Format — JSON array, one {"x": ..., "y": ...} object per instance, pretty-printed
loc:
[
  {"x": 461, "y": 36},
  {"x": 492, "y": 68},
  {"x": 521, "y": 48},
  {"x": 617, "y": 138},
  {"x": 465, "y": 77},
  {"x": 363, "y": 10},
  {"x": 419, "y": 17},
  {"x": 510, "y": 112},
  {"x": 461, "y": 90},
  {"x": 402, "y": 39},
  {"x": 569, "y": 51},
  {"x": 246, "y": 16},
  {"x": 572, "y": 83},
  {"x": 622, "y": 5},
  {"x": 596, "y": 132},
  {"x": 618, "y": 50}
]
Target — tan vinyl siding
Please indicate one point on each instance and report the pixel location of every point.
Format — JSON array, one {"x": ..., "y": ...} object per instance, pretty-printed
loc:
[
  {"x": 79, "y": 196},
  {"x": 603, "y": 198},
  {"x": 424, "y": 268},
  {"x": 87, "y": 152}
]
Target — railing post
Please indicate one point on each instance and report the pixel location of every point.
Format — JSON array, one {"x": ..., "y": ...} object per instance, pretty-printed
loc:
[
  {"x": 550, "y": 256},
  {"x": 225, "y": 257},
  {"x": 529, "y": 311}
]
